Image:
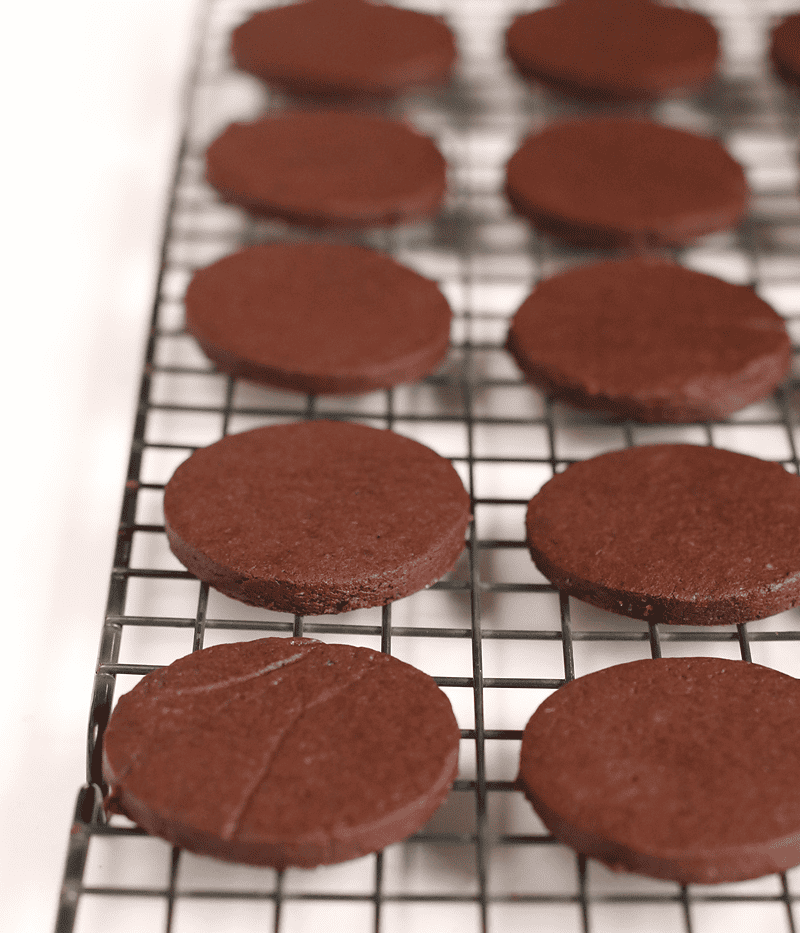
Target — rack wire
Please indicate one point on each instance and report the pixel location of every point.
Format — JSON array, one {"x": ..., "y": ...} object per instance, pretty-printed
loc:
[{"x": 494, "y": 633}]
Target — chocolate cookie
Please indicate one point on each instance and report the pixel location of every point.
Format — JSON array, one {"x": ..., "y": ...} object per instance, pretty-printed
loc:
[
  {"x": 614, "y": 49},
  {"x": 672, "y": 533},
  {"x": 649, "y": 340},
  {"x": 618, "y": 182},
  {"x": 316, "y": 517},
  {"x": 784, "y": 49},
  {"x": 318, "y": 318},
  {"x": 347, "y": 48},
  {"x": 677, "y": 768},
  {"x": 281, "y": 751},
  {"x": 328, "y": 169}
]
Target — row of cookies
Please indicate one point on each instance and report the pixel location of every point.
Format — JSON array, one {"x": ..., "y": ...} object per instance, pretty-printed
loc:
[
  {"x": 597, "y": 50},
  {"x": 623, "y": 764},
  {"x": 291, "y": 751}
]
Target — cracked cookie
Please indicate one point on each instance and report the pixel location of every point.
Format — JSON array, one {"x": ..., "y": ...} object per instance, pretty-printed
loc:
[{"x": 281, "y": 751}]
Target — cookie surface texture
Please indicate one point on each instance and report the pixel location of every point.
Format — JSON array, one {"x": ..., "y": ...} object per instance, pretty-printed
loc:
[
  {"x": 614, "y": 49},
  {"x": 282, "y": 751},
  {"x": 318, "y": 317},
  {"x": 328, "y": 169},
  {"x": 622, "y": 182},
  {"x": 344, "y": 48},
  {"x": 316, "y": 517},
  {"x": 649, "y": 340},
  {"x": 677, "y": 768},
  {"x": 784, "y": 49},
  {"x": 672, "y": 533}
]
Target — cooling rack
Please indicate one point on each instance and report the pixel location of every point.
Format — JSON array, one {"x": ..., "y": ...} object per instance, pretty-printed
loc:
[{"x": 495, "y": 635}]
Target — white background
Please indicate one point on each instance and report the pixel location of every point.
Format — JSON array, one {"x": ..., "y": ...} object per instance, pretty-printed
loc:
[{"x": 90, "y": 115}]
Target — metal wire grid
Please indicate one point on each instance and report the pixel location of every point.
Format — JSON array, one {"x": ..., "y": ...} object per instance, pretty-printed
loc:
[{"x": 494, "y": 633}]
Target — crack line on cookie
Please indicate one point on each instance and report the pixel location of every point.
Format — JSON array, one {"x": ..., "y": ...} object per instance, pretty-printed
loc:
[
  {"x": 243, "y": 678},
  {"x": 231, "y": 827},
  {"x": 138, "y": 757}
]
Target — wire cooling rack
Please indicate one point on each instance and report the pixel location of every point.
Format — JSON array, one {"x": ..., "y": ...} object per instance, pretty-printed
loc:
[{"x": 495, "y": 635}]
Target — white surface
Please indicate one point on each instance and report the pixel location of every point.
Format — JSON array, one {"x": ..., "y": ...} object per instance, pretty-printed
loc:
[{"x": 90, "y": 110}]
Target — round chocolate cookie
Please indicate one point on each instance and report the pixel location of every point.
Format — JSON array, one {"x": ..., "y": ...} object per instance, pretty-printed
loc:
[
  {"x": 281, "y": 751},
  {"x": 785, "y": 49},
  {"x": 328, "y": 168},
  {"x": 617, "y": 182},
  {"x": 677, "y": 768},
  {"x": 318, "y": 317},
  {"x": 346, "y": 48},
  {"x": 614, "y": 49},
  {"x": 649, "y": 340},
  {"x": 672, "y": 533},
  {"x": 316, "y": 517}
]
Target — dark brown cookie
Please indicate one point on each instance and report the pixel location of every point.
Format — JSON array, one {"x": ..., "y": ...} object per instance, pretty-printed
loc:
[
  {"x": 316, "y": 517},
  {"x": 618, "y": 182},
  {"x": 672, "y": 533},
  {"x": 614, "y": 49},
  {"x": 328, "y": 169},
  {"x": 784, "y": 49},
  {"x": 649, "y": 340},
  {"x": 347, "y": 48},
  {"x": 282, "y": 751},
  {"x": 318, "y": 317},
  {"x": 677, "y": 768}
]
